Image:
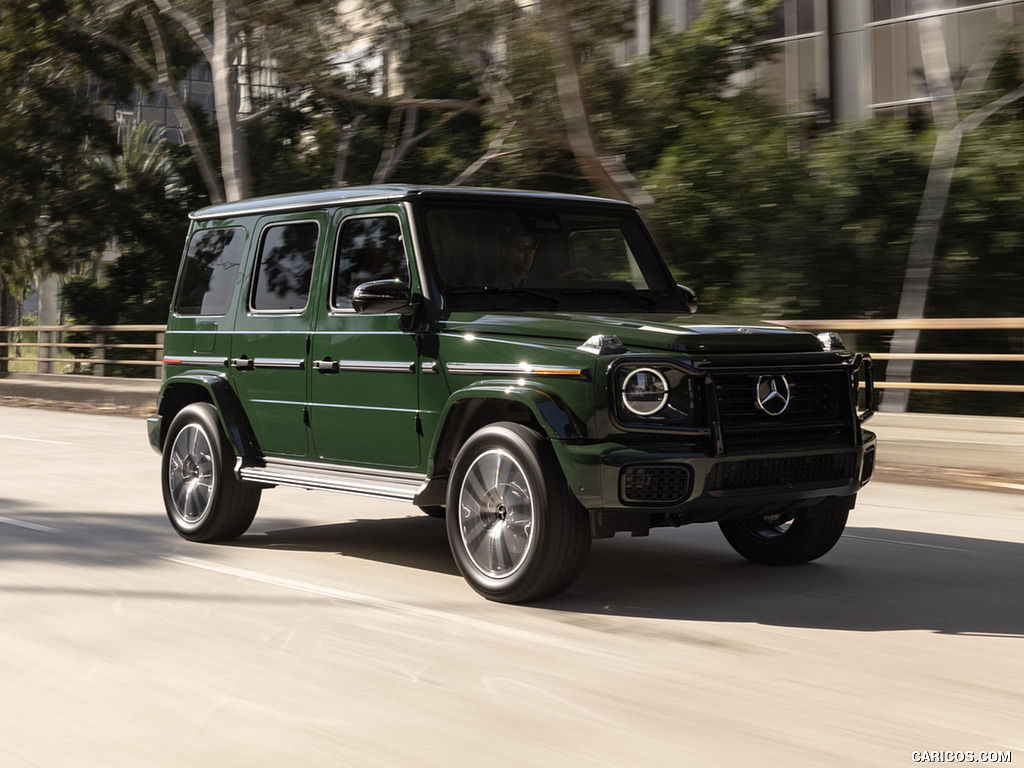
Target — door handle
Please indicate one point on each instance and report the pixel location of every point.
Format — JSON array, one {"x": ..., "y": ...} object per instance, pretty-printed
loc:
[
  {"x": 243, "y": 363},
  {"x": 325, "y": 366}
]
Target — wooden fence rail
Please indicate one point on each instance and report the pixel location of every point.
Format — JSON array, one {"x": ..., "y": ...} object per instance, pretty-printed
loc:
[
  {"x": 51, "y": 340},
  {"x": 931, "y": 324}
]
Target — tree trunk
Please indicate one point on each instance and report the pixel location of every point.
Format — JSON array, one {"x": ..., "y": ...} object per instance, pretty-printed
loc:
[
  {"x": 614, "y": 182},
  {"x": 920, "y": 263},
  {"x": 234, "y": 154},
  {"x": 396, "y": 148},
  {"x": 206, "y": 170},
  {"x": 493, "y": 151},
  {"x": 950, "y": 132},
  {"x": 346, "y": 132},
  {"x": 6, "y": 300}
]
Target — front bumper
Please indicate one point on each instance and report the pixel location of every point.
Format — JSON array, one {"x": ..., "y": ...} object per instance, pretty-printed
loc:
[
  {"x": 627, "y": 488},
  {"x": 154, "y": 428}
]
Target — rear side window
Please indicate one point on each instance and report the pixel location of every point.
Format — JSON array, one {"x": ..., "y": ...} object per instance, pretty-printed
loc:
[
  {"x": 210, "y": 272},
  {"x": 369, "y": 248},
  {"x": 285, "y": 267}
]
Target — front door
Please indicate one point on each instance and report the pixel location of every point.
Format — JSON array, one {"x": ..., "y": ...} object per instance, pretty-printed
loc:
[
  {"x": 268, "y": 352},
  {"x": 365, "y": 368}
]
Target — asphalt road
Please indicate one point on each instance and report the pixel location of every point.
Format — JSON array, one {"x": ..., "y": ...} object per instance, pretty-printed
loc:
[{"x": 338, "y": 633}]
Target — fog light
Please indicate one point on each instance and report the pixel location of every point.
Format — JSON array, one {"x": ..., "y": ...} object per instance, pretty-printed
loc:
[{"x": 662, "y": 484}]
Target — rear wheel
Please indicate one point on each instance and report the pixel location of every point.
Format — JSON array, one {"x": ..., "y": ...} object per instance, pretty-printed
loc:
[
  {"x": 516, "y": 532},
  {"x": 787, "y": 539},
  {"x": 204, "y": 501}
]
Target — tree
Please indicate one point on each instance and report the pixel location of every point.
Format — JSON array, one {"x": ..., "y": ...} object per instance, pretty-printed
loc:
[
  {"x": 148, "y": 202},
  {"x": 238, "y": 40},
  {"x": 53, "y": 195}
]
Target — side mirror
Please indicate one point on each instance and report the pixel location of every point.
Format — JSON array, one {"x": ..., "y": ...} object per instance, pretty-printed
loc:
[
  {"x": 382, "y": 297},
  {"x": 689, "y": 296}
]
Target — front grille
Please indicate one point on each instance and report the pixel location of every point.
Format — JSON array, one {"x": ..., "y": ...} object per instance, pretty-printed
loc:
[
  {"x": 818, "y": 411},
  {"x": 783, "y": 471},
  {"x": 654, "y": 484}
]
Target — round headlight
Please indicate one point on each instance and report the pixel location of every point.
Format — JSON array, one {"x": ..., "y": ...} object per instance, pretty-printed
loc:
[{"x": 644, "y": 392}]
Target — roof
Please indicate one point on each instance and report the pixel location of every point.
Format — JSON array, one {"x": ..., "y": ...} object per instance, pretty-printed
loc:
[{"x": 382, "y": 193}]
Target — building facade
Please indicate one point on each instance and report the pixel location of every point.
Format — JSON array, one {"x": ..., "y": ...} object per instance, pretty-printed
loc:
[{"x": 856, "y": 59}]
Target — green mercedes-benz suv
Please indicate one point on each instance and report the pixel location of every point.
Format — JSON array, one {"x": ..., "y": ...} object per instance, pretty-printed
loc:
[{"x": 521, "y": 364}]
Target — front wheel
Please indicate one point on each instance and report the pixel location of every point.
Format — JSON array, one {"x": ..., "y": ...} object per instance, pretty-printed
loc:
[
  {"x": 786, "y": 538},
  {"x": 204, "y": 501},
  {"x": 516, "y": 532}
]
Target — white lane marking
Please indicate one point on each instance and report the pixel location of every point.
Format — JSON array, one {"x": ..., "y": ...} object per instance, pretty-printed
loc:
[
  {"x": 909, "y": 544},
  {"x": 33, "y": 440},
  {"x": 30, "y": 526},
  {"x": 368, "y": 601}
]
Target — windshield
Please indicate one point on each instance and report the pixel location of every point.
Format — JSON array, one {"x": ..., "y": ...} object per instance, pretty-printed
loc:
[{"x": 522, "y": 256}]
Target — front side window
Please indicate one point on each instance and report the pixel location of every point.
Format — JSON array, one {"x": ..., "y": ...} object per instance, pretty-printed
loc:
[
  {"x": 210, "y": 271},
  {"x": 285, "y": 267},
  {"x": 369, "y": 248}
]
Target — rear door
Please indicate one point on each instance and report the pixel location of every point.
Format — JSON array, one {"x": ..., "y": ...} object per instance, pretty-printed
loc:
[
  {"x": 272, "y": 328},
  {"x": 365, "y": 368}
]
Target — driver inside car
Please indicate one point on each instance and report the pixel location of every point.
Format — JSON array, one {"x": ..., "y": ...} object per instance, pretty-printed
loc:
[{"x": 516, "y": 257}]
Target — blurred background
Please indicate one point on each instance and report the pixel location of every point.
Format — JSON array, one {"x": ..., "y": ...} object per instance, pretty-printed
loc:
[{"x": 802, "y": 160}]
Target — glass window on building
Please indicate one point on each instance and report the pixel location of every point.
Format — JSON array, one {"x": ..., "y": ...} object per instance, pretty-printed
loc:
[
  {"x": 798, "y": 75},
  {"x": 900, "y": 88}
]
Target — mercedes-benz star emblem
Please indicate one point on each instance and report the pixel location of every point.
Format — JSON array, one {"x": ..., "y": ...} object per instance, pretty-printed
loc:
[{"x": 771, "y": 394}]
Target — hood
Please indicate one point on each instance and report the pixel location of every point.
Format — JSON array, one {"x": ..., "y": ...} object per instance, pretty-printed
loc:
[{"x": 681, "y": 333}]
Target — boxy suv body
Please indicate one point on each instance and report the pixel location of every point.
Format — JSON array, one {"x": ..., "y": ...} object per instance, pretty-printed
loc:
[{"x": 519, "y": 363}]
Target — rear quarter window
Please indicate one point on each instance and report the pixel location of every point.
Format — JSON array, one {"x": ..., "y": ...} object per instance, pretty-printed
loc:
[{"x": 210, "y": 272}]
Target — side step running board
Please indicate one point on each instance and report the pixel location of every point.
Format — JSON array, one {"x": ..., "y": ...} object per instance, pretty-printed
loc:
[{"x": 399, "y": 486}]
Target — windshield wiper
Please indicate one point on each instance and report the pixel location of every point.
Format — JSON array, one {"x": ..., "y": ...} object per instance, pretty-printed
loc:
[
  {"x": 630, "y": 295},
  {"x": 542, "y": 299}
]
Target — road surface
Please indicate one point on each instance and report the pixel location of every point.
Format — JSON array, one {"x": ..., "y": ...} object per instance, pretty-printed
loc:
[{"x": 338, "y": 633}]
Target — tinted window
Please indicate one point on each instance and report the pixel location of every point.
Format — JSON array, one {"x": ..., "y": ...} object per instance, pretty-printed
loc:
[
  {"x": 369, "y": 248},
  {"x": 509, "y": 255},
  {"x": 604, "y": 254},
  {"x": 210, "y": 271},
  {"x": 285, "y": 266}
]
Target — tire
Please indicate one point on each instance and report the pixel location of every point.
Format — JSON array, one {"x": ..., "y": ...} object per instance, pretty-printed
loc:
[
  {"x": 203, "y": 499},
  {"x": 783, "y": 539},
  {"x": 516, "y": 532},
  {"x": 433, "y": 511}
]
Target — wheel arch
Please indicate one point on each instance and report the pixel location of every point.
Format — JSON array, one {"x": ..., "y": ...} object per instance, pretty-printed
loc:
[
  {"x": 474, "y": 407},
  {"x": 181, "y": 391}
]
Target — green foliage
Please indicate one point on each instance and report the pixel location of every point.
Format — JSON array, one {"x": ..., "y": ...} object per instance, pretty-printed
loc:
[
  {"x": 867, "y": 183},
  {"x": 52, "y": 196},
  {"x": 761, "y": 218},
  {"x": 148, "y": 223}
]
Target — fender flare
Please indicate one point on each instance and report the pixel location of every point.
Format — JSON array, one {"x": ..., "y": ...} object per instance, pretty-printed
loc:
[
  {"x": 549, "y": 411},
  {"x": 219, "y": 393}
]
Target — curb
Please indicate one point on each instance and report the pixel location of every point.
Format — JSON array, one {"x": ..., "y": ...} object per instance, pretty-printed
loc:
[{"x": 66, "y": 391}]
